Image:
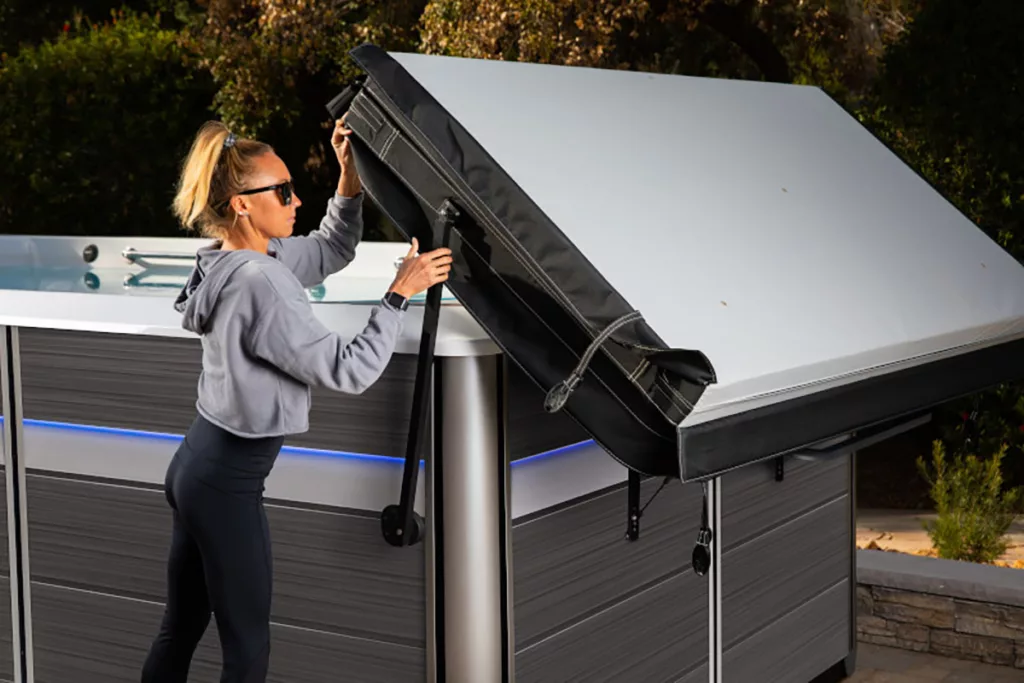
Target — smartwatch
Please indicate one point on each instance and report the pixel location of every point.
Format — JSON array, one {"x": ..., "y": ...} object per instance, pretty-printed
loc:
[{"x": 396, "y": 300}]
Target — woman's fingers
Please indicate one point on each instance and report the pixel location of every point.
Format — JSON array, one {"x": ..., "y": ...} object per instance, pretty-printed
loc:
[
  {"x": 441, "y": 265},
  {"x": 340, "y": 135},
  {"x": 442, "y": 254},
  {"x": 419, "y": 272},
  {"x": 440, "y": 270},
  {"x": 441, "y": 261}
]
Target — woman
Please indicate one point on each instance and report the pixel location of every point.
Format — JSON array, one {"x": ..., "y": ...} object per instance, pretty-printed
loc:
[{"x": 262, "y": 350}]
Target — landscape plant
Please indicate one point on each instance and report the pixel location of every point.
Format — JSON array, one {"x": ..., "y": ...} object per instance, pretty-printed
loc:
[{"x": 974, "y": 509}]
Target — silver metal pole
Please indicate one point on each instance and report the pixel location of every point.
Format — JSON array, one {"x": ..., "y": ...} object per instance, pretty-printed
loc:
[
  {"x": 851, "y": 659},
  {"x": 468, "y": 531},
  {"x": 17, "y": 510},
  {"x": 714, "y": 502},
  {"x": 431, "y": 551}
]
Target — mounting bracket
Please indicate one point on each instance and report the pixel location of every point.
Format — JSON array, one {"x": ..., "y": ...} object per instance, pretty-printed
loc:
[{"x": 633, "y": 506}]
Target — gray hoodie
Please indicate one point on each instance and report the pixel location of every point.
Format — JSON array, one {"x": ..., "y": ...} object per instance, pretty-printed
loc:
[{"x": 262, "y": 345}]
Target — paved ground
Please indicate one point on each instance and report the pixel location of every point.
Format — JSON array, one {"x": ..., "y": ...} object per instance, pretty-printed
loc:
[{"x": 876, "y": 664}]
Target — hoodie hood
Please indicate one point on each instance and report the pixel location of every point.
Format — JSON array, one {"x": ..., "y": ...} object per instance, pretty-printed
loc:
[{"x": 198, "y": 298}]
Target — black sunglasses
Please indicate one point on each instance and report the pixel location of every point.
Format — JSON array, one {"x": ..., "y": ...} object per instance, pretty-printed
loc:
[{"x": 284, "y": 191}]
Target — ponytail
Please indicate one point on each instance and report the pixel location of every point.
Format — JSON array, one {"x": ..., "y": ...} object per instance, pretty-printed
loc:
[{"x": 215, "y": 169}]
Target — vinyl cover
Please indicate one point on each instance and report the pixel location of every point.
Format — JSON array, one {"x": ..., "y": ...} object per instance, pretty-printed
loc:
[
  {"x": 555, "y": 315},
  {"x": 517, "y": 274}
]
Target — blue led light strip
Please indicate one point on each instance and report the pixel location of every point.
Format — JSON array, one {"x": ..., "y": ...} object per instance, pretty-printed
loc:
[{"x": 296, "y": 450}]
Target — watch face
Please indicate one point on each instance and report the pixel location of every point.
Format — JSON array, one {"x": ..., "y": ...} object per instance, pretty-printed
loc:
[{"x": 397, "y": 300}]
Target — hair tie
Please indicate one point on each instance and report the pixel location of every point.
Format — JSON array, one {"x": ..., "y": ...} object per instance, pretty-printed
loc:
[{"x": 230, "y": 140}]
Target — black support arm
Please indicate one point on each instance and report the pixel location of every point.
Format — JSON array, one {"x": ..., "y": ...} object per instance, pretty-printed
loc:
[{"x": 400, "y": 524}]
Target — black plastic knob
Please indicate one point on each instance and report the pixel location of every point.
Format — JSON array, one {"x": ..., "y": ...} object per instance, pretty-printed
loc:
[{"x": 391, "y": 527}]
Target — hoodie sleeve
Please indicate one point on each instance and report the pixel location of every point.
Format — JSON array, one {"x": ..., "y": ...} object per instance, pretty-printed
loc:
[
  {"x": 327, "y": 249},
  {"x": 288, "y": 335}
]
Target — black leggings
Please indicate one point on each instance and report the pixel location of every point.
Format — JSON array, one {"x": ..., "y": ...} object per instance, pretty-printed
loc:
[{"x": 220, "y": 558}]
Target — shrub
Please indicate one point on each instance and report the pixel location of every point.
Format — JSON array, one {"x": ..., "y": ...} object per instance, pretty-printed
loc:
[
  {"x": 29, "y": 22},
  {"x": 93, "y": 126},
  {"x": 974, "y": 512}
]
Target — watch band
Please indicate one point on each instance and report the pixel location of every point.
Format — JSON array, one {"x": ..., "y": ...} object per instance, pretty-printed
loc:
[{"x": 396, "y": 300}]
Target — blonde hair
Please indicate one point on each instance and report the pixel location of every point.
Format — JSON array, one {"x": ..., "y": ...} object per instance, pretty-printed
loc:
[{"x": 214, "y": 172}]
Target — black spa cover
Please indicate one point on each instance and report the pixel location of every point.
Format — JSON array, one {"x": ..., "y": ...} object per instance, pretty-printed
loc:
[{"x": 691, "y": 268}]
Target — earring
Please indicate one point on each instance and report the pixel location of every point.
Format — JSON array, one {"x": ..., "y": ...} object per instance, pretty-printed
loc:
[{"x": 243, "y": 213}]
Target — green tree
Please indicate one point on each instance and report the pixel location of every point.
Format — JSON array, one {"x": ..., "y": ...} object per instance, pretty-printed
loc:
[
  {"x": 276, "y": 63},
  {"x": 954, "y": 83},
  {"x": 948, "y": 101},
  {"x": 832, "y": 43},
  {"x": 93, "y": 126},
  {"x": 29, "y": 23}
]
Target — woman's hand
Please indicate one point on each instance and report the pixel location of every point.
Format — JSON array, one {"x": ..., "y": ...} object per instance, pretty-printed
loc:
[
  {"x": 348, "y": 183},
  {"x": 419, "y": 273}
]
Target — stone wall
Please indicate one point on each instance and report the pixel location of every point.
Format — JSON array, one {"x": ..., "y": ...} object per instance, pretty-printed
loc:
[{"x": 955, "y": 609}]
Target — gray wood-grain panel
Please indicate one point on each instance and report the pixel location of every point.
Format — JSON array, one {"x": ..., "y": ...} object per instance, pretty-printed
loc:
[
  {"x": 6, "y": 627},
  {"x": 149, "y": 383},
  {"x": 531, "y": 429},
  {"x": 85, "y": 637},
  {"x": 6, "y": 631},
  {"x": 754, "y": 503},
  {"x": 5, "y": 566},
  {"x": 572, "y": 562},
  {"x": 799, "y": 646},
  {"x": 332, "y": 570},
  {"x": 657, "y": 636},
  {"x": 698, "y": 675},
  {"x": 315, "y": 657},
  {"x": 779, "y": 571},
  {"x": 98, "y": 537}
]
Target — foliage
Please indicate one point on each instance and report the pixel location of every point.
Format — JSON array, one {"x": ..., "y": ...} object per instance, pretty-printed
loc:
[
  {"x": 276, "y": 63},
  {"x": 275, "y": 60},
  {"x": 544, "y": 31},
  {"x": 831, "y": 43},
  {"x": 990, "y": 421},
  {"x": 29, "y": 22},
  {"x": 93, "y": 125},
  {"x": 948, "y": 102},
  {"x": 974, "y": 513},
  {"x": 261, "y": 54},
  {"x": 953, "y": 82},
  {"x": 935, "y": 98}
]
